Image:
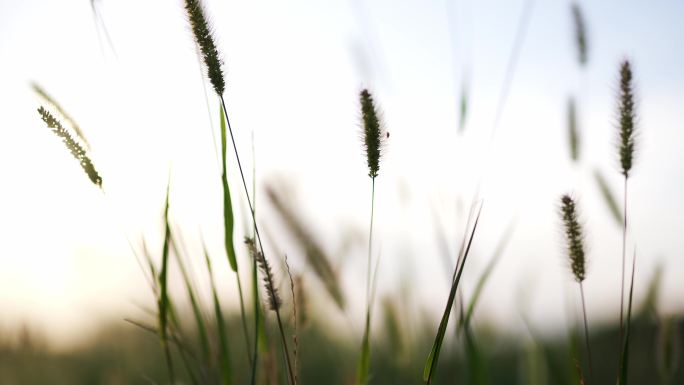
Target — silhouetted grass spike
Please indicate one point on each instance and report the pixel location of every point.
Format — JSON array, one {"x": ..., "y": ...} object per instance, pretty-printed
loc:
[
  {"x": 627, "y": 115},
  {"x": 205, "y": 41},
  {"x": 74, "y": 147},
  {"x": 274, "y": 301},
  {"x": 373, "y": 134},
  {"x": 573, "y": 237},
  {"x": 580, "y": 34}
]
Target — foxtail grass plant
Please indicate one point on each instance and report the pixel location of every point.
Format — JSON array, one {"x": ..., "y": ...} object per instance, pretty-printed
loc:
[
  {"x": 212, "y": 61},
  {"x": 574, "y": 238},
  {"x": 373, "y": 138},
  {"x": 626, "y": 140}
]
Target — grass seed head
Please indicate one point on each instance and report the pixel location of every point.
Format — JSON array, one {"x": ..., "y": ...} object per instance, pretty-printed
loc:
[
  {"x": 72, "y": 145},
  {"x": 373, "y": 133},
  {"x": 626, "y": 118},
  {"x": 573, "y": 237},
  {"x": 205, "y": 40},
  {"x": 274, "y": 301}
]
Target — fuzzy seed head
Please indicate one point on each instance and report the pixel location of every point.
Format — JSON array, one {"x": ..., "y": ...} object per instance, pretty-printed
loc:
[
  {"x": 573, "y": 238},
  {"x": 72, "y": 145},
  {"x": 205, "y": 40},
  {"x": 580, "y": 34},
  {"x": 274, "y": 301},
  {"x": 373, "y": 133},
  {"x": 626, "y": 118}
]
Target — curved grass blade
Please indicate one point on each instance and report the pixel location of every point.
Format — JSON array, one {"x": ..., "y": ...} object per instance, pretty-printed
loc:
[
  {"x": 608, "y": 197},
  {"x": 433, "y": 357},
  {"x": 500, "y": 248},
  {"x": 228, "y": 220}
]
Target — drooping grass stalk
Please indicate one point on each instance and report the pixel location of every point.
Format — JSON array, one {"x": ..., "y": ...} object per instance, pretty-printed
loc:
[
  {"x": 577, "y": 256},
  {"x": 433, "y": 358},
  {"x": 77, "y": 151},
  {"x": 61, "y": 111},
  {"x": 373, "y": 136},
  {"x": 626, "y": 151},
  {"x": 212, "y": 61}
]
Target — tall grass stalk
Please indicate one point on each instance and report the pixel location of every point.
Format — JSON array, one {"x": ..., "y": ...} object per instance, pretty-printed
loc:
[
  {"x": 212, "y": 61},
  {"x": 626, "y": 139},
  {"x": 574, "y": 236},
  {"x": 373, "y": 136}
]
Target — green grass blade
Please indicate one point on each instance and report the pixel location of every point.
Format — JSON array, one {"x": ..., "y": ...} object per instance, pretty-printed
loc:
[
  {"x": 228, "y": 220},
  {"x": 498, "y": 252},
  {"x": 163, "y": 302},
  {"x": 608, "y": 197},
  {"x": 476, "y": 364},
  {"x": 224, "y": 351},
  {"x": 624, "y": 355},
  {"x": 194, "y": 303},
  {"x": 364, "y": 361},
  {"x": 433, "y": 357}
]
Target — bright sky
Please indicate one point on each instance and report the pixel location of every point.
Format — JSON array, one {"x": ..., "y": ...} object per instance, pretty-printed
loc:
[{"x": 294, "y": 70}]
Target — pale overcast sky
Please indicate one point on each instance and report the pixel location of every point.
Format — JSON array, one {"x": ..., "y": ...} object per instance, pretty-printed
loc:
[{"x": 294, "y": 69}]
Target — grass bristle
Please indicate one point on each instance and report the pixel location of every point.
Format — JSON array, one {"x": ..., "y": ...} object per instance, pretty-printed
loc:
[
  {"x": 373, "y": 134},
  {"x": 627, "y": 117},
  {"x": 77, "y": 151},
  {"x": 205, "y": 40},
  {"x": 573, "y": 237}
]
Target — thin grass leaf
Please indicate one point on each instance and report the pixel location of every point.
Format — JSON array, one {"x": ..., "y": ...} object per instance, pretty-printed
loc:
[
  {"x": 163, "y": 301},
  {"x": 624, "y": 354},
  {"x": 477, "y": 367},
  {"x": 608, "y": 197},
  {"x": 433, "y": 357},
  {"x": 228, "y": 219},
  {"x": 197, "y": 313},
  {"x": 498, "y": 252},
  {"x": 224, "y": 351}
]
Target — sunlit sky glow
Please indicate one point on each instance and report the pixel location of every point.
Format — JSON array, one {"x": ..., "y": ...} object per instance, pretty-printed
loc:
[{"x": 293, "y": 72}]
